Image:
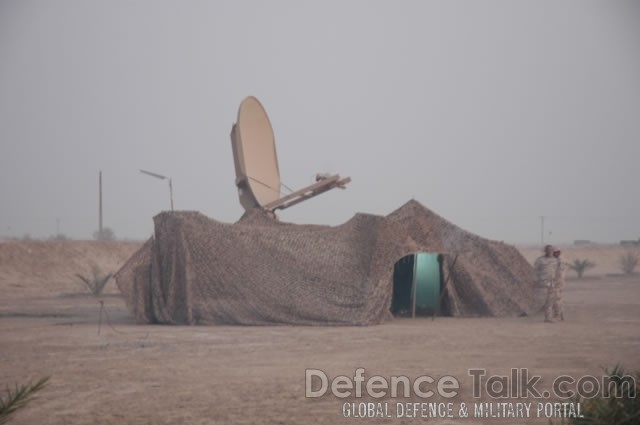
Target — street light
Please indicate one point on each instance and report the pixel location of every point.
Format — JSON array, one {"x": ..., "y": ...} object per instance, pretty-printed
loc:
[{"x": 161, "y": 177}]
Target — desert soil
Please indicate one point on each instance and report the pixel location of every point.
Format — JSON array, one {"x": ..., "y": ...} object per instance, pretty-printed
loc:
[{"x": 105, "y": 369}]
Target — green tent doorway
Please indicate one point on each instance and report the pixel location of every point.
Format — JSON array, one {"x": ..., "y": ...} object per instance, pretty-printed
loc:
[{"x": 419, "y": 274}]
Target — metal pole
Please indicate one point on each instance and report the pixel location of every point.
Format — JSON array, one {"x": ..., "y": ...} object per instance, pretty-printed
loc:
[
  {"x": 413, "y": 286},
  {"x": 100, "y": 204},
  {"x": 161, "y": 177},
  {"x": 171, "y": 193},
  {"x": 443, "y": 289}
]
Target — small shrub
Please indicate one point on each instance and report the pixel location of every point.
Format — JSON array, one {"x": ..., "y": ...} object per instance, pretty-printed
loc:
[
  {"x": 629, "y": 261},
  {"x": 622, "y": 406},
  {"x": 581, "y": 266},
  {"x": 106, "y": 234},
  {"x": 18, "y": 398},
  {"x": 97, "y": 282}
]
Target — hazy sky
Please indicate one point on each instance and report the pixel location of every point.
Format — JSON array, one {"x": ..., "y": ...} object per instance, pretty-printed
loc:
[{"x": 490, "y": 113}]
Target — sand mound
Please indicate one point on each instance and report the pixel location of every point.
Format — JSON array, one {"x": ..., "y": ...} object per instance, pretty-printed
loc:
[{"x": 45, "y": 268}]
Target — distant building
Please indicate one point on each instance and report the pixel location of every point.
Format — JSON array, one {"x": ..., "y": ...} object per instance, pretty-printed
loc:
[
  {"x": 582, "y": 242},
  {"x": 630, "y": 243}
]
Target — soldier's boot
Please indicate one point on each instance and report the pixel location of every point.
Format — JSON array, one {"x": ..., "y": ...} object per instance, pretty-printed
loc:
[{"x": 548, "y": 315}]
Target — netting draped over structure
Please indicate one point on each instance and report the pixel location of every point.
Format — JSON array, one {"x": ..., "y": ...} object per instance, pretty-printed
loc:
[{"x": 259, "y": 271}]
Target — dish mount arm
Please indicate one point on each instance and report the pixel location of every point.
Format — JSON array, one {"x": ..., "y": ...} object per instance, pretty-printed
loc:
[
  {"x": 323, "y": 184},
  {"x": 256, "y": 164}
]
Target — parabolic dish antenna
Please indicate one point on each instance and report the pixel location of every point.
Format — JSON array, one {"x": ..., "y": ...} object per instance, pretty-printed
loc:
[
  {"x": 254, "y": 154},
  {"x": 256, "y": 163}
]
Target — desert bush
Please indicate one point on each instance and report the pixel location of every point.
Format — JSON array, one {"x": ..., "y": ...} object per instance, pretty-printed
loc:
[
  {"x": 18, "y": 398},
  {"x": 106, "y": 234},
  {"x": 622, "y": 406},
  {"x": 581, "y": 266},
  {"x": 629, "y": 261},
  {"x": 97, "y": 281}
]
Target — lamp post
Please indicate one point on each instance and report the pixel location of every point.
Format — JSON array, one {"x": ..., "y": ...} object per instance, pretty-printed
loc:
[{"x": 161, "y": 177}]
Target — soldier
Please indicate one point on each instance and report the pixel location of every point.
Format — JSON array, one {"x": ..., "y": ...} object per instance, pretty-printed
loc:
[
  {"x": 545, "y": 269},
  {"x": 558, "y": 305}
]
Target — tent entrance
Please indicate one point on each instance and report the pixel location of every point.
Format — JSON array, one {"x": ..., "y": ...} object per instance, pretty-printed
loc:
[{"x": 417, "y": 284}]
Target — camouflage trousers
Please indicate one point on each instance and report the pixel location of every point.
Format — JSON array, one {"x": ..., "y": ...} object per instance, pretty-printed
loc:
[
  {"x": 554, "y": 305},
  {"x": 558, "y": 305}
]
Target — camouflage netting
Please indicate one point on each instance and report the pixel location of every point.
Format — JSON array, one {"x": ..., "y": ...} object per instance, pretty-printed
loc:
[{"x": 260, "y": 271}]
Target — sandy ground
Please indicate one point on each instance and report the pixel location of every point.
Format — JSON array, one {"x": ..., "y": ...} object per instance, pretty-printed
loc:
[{"x": 112, "y": 371}]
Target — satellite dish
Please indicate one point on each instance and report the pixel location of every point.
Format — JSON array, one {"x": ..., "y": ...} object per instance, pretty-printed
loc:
[
  {"x": 254, "y": 153},
  {"x": 256, "y": 163}
]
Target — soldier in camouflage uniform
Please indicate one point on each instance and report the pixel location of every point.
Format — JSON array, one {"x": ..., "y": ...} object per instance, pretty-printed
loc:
[
  {"x": 545, "y": 269},
  {"x": 558, "y": 305}
]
